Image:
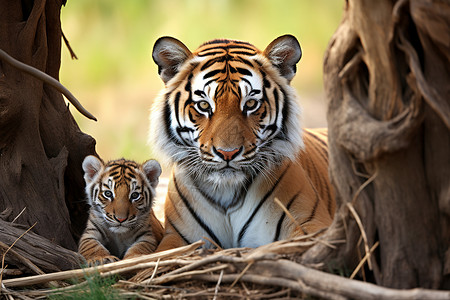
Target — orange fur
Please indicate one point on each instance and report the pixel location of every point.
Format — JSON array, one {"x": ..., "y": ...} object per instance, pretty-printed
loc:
[
  {"x": 230, "y": 124},
  {"x": 121, "y": 223}
]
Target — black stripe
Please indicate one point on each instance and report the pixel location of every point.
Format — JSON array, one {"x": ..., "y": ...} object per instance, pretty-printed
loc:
[
  {"x": 87, "y": 247},
  {"x": 322, "y": 142},
  {"x": 177, "y": 231},
  {"x": 266, "y": 100},
  {"x": 195, "y": 216},
  {"x": 245, "y": 61},
  {"x": 283, "y": 215},
  {"x": 285, "y": 112},
  {"x": 230, "y": 47},
  {"x": 212, "y": 73},
  {"x": 208, "y": 198},
  {"x": 314, "y": 178},
  {"x": 99, "y": 229},
  {"x": 177, "y": 106},
  {"x": 147, "y": 197},
  {"x": 201, "y": 54},
  {"x": 141, "y": 234},
  {"x": 261, "y": 202},
  {"x": 313, "y": 212},
  {"x": 266, "y": 83},
  {"x": 167, "y": 123},
  {"x": 210, "y": 62},
  {"x": 323, "y": 153},
  {"x": 247, "y": 81},
  {"x": 167, "y": 119},
  {"x": 93, "y": 193},
  {"x": 277, "y": 107},
  {"x": 322, "y": 182},
  {"x": 187, "y": 87},
  {"x": 215, "y": 203},
  {"x": 112, "y": 174},
  {"x": 244, "y": 71},
  {"x": 244, "y": 53}
]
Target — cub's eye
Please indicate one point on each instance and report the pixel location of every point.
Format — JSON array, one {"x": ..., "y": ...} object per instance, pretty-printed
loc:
[
  {"x": 203, "y": 106},
  {"x": 251, "y": 104},
  {"x": 108, "y": 194},
  {"x": 135, "y": 196}
]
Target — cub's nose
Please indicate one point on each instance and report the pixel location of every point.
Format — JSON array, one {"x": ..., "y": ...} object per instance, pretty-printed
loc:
[
  {"x": 226, "y": 154},
  {"x": 120, "y": 220}
]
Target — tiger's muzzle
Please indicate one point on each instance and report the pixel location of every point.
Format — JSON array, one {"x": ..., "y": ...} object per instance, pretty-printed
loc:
[{"x": 227, "y": 154}]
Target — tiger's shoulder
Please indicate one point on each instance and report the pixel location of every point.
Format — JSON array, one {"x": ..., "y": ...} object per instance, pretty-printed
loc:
[{"x": 314, "y": 160}]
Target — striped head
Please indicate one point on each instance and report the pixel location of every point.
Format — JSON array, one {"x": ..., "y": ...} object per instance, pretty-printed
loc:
[
  {"x": 121, "y": 191},
  {"x": 227, "y": 112}
]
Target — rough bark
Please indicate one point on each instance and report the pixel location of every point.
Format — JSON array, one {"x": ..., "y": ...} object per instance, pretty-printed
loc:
[
  {"x": 387, "y": 74},
  {"x": 41, "y": 146},
  {"x": 32, "y": 253}
]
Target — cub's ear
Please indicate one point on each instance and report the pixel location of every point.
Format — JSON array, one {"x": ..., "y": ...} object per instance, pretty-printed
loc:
[
  {"x": 91, "y": 167},
  {"x": 169, "y": 54},
  {"x": 284, "y": 53},
  {"x": 152, "y": 170}
]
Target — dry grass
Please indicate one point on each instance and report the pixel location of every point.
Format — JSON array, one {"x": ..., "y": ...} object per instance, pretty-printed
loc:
[
  {"x": 185, "y": 272},
  {"x": 267, "y": 272}
]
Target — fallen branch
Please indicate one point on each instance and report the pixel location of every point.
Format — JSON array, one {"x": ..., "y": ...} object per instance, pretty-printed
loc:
[
  {"x": 34, "y": 253},
  {"x": 188, "y": 273},
  {"x": 128, "y": 265}
]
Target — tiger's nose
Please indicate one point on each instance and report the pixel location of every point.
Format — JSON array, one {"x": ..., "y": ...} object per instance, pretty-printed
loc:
[
  {"x": 227, "y": 155},
  {"x": 120, "y": 220}
]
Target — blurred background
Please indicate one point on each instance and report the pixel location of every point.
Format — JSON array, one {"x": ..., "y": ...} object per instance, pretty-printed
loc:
[{"x": 116, "y": 79}]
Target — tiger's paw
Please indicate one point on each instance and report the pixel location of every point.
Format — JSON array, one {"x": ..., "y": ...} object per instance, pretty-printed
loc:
[
  {"x": 133, "y": 255},
  {"x": 136, "y": 254},
  {"x": 140, "y": 250},
  {"x": 101, "y": 260}
]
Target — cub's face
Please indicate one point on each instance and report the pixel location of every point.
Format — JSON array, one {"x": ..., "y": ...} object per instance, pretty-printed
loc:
[
  {"x": 121, "y": 191},
  {"x": 228, "y": 112}
]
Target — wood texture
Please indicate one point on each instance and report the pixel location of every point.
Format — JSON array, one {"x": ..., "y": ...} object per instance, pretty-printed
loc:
[
  {"x": 41, "y": 146},
  {"x": 386, "y": 78},
  {"x": 34, "y": 254}
]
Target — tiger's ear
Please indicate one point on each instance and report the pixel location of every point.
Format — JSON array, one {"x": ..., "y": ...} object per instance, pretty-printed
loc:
[
  {"x": 91, "y": 167},
  {"x": 152, "y": 170},
  {"x": 169, "y": 54},
  {"x": 284, "y": 53}
]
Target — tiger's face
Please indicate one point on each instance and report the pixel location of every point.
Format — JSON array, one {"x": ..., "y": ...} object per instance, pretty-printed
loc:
[
  {"x": 227, "y": 112},
  {"x": 120, "y": 192}
]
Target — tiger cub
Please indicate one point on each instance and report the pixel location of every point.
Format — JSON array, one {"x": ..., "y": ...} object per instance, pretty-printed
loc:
[
  {"x": 121, "y": 222},
  {"x": 229, "y": 123}
]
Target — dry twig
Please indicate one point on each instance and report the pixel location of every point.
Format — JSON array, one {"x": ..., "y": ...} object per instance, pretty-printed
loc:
[{"x": 261, "y": 272}]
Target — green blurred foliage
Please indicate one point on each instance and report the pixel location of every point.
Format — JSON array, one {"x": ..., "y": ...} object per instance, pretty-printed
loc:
[{"x": 115, "y": 77}]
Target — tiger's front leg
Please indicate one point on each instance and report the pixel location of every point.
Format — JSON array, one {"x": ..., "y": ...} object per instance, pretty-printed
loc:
[
  {"x": 95, "y": 253},
  {"x": 146, "y": 244},
  {"x": 170, "y": 240}
]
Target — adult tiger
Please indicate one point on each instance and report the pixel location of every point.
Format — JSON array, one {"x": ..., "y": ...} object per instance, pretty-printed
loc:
[{"x": 229, "y": 122}]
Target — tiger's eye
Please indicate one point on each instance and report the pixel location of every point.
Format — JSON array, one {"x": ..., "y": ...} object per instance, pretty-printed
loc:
[
  {"x": 134, "y": 196},
  {"x": 204, "y": 106},
  {"x": 250, "y": 104},
  {"x": 107, "y": 194}
]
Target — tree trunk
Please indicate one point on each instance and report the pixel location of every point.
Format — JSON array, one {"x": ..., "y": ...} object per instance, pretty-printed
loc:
[
  {"x": 387, "y": 75},
  {"x": 41, "y": 146}
]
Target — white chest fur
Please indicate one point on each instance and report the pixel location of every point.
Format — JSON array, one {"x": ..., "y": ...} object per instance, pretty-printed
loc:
[{"x": 251, "y": 222}]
